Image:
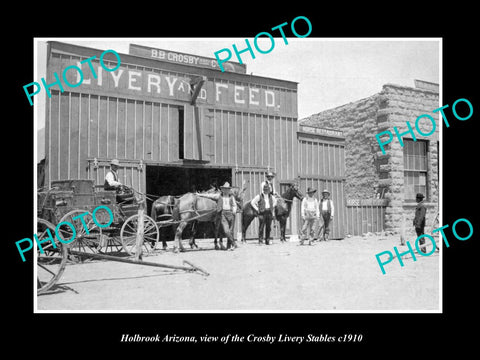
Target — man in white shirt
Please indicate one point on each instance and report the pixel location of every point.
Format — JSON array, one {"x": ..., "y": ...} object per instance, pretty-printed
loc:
[
  {"x": 310, "y": 212},
  {"x": 326, "y": 211},
  {"x": 269, "y": 181},
  {"x": 264, "y": 204},
  {"x": 111, "y": 179}
]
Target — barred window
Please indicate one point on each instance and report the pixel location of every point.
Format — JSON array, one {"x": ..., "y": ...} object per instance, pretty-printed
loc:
[{"x": 415, "y": 168}]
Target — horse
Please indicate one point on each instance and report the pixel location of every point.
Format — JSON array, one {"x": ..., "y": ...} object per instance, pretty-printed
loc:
[
  {"x": 162, "y": 210},
  {"x": 192, "y": 208},
  {"x": 282, "y": 210}
]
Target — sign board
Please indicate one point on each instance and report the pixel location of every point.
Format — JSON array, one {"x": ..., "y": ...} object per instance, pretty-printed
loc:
[
  {"x": 186, "y": 59},
  {"x": 320, "y": 131},
  {"x": 155, "y": 84}
]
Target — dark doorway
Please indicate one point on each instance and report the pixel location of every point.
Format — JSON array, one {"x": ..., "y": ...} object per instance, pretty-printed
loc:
[{"x": 172, "y": 180}]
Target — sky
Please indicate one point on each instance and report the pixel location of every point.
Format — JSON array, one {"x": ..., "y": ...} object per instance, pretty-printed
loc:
[{"x": 330, "y": 72}]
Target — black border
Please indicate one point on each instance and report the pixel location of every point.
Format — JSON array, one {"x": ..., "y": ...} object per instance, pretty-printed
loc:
[{"x": 383, "y": 334}]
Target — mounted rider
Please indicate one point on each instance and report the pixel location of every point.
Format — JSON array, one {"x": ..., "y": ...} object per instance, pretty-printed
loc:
[{"x": 269, "y": 181}]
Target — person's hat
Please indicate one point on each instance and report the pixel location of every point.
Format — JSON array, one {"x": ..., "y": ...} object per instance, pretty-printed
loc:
[
  {"x": 270, "y": 174},
  {"x": 115, "y": 162},
  {"x": 266, "y": 186},
  {"x": 420, "y": 195},
  {"x": 225, "y": 186},
  {"x": 325, "y": 191},
  {"x": 311, "y": 190}
]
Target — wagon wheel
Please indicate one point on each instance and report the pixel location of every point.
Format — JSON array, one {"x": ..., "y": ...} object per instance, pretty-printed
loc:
[
  {"x": 87, "y": 238},
  {"x": 110, "y": 244},
  {"x": 50, "y": 264},
  {"x": 128, "y": 234}
]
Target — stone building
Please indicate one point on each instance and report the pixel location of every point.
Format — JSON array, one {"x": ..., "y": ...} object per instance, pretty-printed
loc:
[{"x": 401, "y": 172}]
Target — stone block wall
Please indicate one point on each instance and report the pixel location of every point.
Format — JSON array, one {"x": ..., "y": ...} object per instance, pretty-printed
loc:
[
  {"x": 369, "y": 172},
  {"x": 358, "y": 121},
  {"x": 399, "y": 105}
]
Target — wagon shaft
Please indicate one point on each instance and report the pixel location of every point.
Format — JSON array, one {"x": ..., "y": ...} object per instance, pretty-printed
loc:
[{"x": 135, "y": 262}]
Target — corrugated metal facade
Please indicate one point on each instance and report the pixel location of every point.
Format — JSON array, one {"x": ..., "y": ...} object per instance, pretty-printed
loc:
[{"x": 322, "y": 166}]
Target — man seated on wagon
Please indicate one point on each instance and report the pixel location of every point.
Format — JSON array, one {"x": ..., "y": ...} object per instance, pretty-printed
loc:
[
  {"x": 124, "y": 194},
  {"x": 111, "y": 179}
]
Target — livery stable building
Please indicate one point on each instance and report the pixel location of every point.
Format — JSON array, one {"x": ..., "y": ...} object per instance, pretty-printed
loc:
[{"x": 178, "y": 124}]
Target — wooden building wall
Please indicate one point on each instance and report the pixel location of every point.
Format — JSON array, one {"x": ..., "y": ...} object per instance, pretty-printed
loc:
[{"x": 242, "y": 122}]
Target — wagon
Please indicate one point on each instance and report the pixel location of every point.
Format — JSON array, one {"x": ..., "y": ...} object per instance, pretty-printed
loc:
[{"x": 69, "y": 210}]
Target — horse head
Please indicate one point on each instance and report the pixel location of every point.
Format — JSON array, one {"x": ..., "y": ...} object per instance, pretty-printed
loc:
[{"x": 293, "y": 192}]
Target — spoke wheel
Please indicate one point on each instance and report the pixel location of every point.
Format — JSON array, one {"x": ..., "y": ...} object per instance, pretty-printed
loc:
[
  {"x": 51, "y": 263},
  {"x": 128, "y": 234},
  {"x": 87, "y": 238}
]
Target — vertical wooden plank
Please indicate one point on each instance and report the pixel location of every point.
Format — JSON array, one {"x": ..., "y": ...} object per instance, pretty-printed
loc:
[
  {"x": 291, "y": 153},
  {"x": 255, "y": 154},
  {"x": 155, "y": 132},
  {"x": 219, "y": 136},
  {"x": 93, "y": 126},
  {"x": 303, "y": 157},
  {"x": 130, "y": 129},
  {"x": 120, "y": 146},
  {"x": 53, "y": 148},
  {"x": 111, "y": 127},
  {"x": 63, "y": 138},
  {"x": 314, "y": 164},
  {"x": 103, "y": 127},
  {"x": 147, "y": 139},
  {"x": 231, "y": 117},
  {"x": 259, "y": 139},
  {"x": 236, "y": 127},
  {"x": 173, "y": 130},
  {"x": 139, "y": 119},
  {"x": 282, "y": 142},
  {"x": 189, "y": 137},
  {"x": 266, "y": 140},
  {"x": 84, "y": 135},
  {"x": 74, "y": 134},
  {"x": 276, "y": 148},
  {"x": 152, "y": 134},
  {"x": 243, "y": 147},
  {"x": 164, "y": 141},
  {"x": 224, "y": 136}
]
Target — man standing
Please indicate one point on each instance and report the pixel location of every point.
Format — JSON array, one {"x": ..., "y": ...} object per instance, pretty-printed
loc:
[
  {"x": 111, "y": 179},
  {"x": 310, "y": 213},
  {"x": 326, "y": 211},
  {"x": 269, "y": 181},
  {"x": 264, "y": 204},
  {"x": 419, "y": 220},
  {"x": 226, "y": 210}
]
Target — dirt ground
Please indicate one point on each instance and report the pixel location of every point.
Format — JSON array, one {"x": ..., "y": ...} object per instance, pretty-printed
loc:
[{"x": 338, "y": 275}]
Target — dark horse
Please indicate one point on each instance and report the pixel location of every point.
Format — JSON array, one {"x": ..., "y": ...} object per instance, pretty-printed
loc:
[
  {"x": 162, "y": 210},
  {"x": 282, "y": 210}
]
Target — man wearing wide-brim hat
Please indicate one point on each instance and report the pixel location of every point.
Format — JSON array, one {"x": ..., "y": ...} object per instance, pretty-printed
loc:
[
  {"x": 310, "y": 213},
  {"x": 269, "y": 181},
  {"x": 327, "y": 211},
  {"x": 419, "y": 220},
  {"x": 111, "y": 178},
  {"x": 264, "y": 204},
  {"x": 226, "y": 210}
]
